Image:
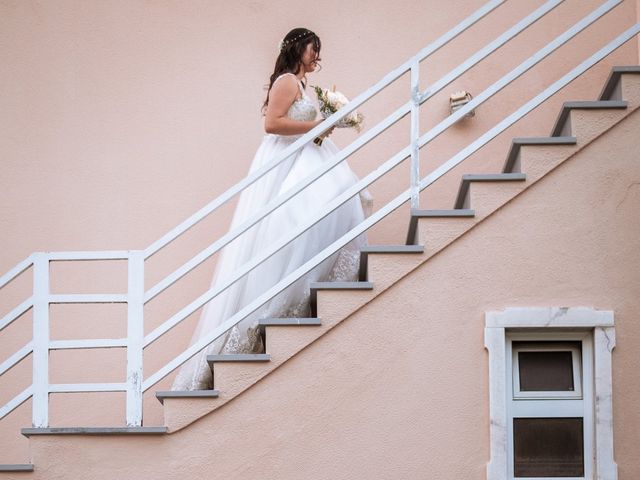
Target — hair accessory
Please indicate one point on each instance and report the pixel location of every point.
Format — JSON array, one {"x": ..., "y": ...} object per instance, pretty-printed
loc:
[{"x": 283, "y": 43}]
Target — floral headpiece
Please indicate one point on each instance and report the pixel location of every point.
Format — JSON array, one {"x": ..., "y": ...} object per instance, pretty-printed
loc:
[{"x": 283, "y": 43}]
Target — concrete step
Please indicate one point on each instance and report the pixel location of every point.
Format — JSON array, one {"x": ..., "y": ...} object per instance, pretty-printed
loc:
[
  {"x": 463, "y": 200},
  {"x": 563, "y": 125},
  {"x": 623, "y": 84},
  {"x": 513, "y": 162},
  {"x": 16, "y": 467},
  {"x": 416, "y": 214},
  {"x": 284, "y": 337},
  {"x": 384, "y": 251},
  {"x": 333, "y": 287}
]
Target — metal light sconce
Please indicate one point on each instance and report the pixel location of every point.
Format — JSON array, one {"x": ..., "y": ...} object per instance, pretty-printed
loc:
[{"x": 458, "y": 100}]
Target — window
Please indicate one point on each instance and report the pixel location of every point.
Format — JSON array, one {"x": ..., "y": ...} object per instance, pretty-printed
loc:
[
  {"x": 550, "y": 407},
  {"x": 550, "y": 393}
]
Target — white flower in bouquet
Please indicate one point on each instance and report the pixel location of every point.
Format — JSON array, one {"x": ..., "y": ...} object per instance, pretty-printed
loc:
[{"x": 331, "y": 101}]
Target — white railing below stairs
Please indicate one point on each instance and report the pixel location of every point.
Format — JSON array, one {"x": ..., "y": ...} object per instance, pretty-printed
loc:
[{"x": 136, "y": 297}]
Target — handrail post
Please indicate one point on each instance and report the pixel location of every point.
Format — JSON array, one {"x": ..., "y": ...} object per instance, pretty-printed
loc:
[
  {"x": 41, "y": 289},
  {"x": 135, "y": 337},
  {"x": 415, "y": 134}
]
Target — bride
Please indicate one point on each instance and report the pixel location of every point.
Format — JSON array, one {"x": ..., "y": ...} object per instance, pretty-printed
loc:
[{"x": 289, "y": 113}]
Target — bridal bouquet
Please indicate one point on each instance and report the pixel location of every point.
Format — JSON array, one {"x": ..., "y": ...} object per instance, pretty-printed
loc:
[{"x": 331, "y": 101}]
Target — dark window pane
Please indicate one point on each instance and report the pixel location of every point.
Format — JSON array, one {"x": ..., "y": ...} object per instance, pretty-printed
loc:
[
  {"x": 548, "y": 447},
  {"x": 545, "y": 371}
]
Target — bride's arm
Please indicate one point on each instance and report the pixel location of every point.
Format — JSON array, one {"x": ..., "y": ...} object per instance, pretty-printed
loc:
[{"x": 281, "y": 97}]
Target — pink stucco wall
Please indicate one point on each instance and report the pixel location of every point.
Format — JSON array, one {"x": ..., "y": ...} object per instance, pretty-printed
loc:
[
  {"x": 388, "y": 395},
  {"x": 120, "y": 119}
]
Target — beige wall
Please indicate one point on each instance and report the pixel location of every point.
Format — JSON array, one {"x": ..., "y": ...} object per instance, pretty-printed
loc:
[
  {"x": 389, "y": 396},
  {"x": 119, "y": 119}
]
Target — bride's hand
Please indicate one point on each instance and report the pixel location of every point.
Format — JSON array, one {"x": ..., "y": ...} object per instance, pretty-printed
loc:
[{"x": 326, "y": 133}]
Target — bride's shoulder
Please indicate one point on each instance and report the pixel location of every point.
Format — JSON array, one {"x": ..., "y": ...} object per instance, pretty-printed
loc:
[
  {"x": 286, "y": 85},
  {"x": 289, "y": 76}
]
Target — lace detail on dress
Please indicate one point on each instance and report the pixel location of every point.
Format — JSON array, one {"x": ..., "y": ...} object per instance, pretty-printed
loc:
[
  {"x": 303, "y": 109},
  {"x": 346, "y": 267},
  {"x": 237, "y": 343}
]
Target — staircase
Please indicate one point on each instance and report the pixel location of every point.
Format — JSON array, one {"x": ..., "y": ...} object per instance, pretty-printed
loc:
[
  {"x": 480, "y": 197},
  {"x": 429, "y": 232},
  {"x": 382, "y": 269}
]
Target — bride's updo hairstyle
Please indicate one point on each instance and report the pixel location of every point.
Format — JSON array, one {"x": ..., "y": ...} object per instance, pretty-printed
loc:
[{"x": 292, "y": 47}]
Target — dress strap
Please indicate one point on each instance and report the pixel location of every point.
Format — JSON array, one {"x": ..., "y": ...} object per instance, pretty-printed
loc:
[{"x": 302, "y": 92}]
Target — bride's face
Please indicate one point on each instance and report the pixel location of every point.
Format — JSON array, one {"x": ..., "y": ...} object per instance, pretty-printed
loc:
[{"x": 310, "y": 58}]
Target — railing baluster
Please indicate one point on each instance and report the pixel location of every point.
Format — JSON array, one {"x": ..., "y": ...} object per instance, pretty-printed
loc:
[
  {"x": 415, "y": 133},
  {"x": 135, "y": 334},
  {"x": 41, "y": 289}
]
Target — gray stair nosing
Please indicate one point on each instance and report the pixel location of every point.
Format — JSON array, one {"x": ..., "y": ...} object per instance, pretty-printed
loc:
[
  {"x": 341, "y": 286},
  {"x": 489, "y": 177},
  {"x": 393, "y": 249},
  {"x": 583, "y": 105},
  {"x": 187, "y": 394},
  {"x": 16, "y": 467},
  {"x": 456, "y": 212},
  {"x": 94, "y": 431},
  {"x": 275, "y": 322},
  {"x": 519, "y": 142},
  {"x": 614, "y": 77},
  {"x": 242, "y": 357}
]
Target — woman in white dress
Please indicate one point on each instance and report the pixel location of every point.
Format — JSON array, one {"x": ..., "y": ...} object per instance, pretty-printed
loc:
[{"x": 289, "y": 113}]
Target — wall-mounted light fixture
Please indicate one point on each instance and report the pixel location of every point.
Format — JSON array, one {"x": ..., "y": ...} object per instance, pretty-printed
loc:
[{"x": 458, "y": 100}]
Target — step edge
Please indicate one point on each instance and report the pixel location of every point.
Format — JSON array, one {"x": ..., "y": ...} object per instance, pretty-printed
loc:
[
  {"x": 519, "y": 142},
  {"x": 614, "y": 77},
  {"x": 239, "y": 357},
  {"x": 161, "y": 395},
  {"x": 294, "y": 321},
  {"x": 27, "y": 432},
  {"x": 16, "y": 467},
  {"x": 314, "y": 286},
  {"x": 392, "y": 249},
  {"x": 453, "y": 213}
]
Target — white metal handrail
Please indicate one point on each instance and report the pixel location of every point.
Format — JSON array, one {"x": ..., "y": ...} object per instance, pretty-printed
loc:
[
  {"x": 412, "y": 106},
  {"x": 136, "y": 297},
  {"x": 391, "y": 206}
]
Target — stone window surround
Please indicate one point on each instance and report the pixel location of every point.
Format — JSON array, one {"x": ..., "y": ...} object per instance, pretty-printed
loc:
[{"x": 519, "y": 319}]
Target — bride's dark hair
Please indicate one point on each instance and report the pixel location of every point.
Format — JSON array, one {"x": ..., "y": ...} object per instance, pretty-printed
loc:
[{"x": 292, "y": 48}]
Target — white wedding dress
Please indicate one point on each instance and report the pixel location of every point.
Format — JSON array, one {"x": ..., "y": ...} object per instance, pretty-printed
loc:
[{"x": 195, "y": 374}]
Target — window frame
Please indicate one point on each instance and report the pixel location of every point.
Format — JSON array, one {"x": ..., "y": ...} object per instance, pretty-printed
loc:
[
  {"x": 576, "y": 357},
  {"x": 557, "y": 406},
  {"x": 599, "y": 324}
]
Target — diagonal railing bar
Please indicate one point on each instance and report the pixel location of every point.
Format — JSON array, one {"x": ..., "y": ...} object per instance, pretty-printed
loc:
[
  {"x": 16, "y": 313},
  {"x": 15, "y": 271},
  {"x": 329, "y": 122},
  {"x": 391, "y": 206},
  {"x": 381, "y": 170},
  {"x": 16, "y": 357},
  {"x": 14, "y": 403},
  {"x": 362, "y": 140}
]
